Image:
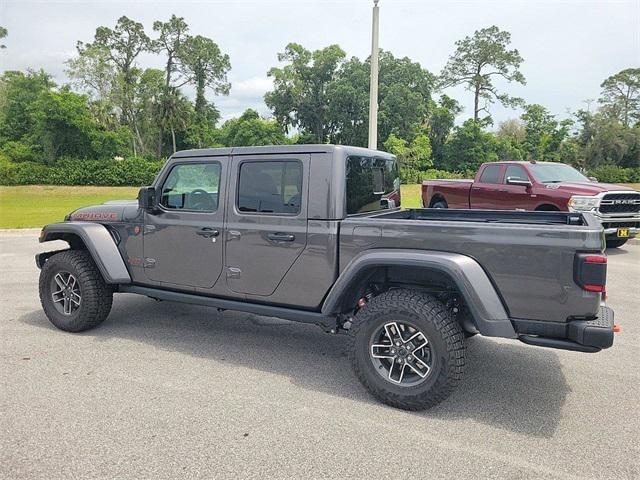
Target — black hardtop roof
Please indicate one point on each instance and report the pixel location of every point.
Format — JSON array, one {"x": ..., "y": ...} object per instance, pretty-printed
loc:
[{"x": 275, "y": 149}]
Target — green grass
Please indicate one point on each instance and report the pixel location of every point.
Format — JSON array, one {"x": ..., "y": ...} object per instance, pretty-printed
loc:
[
  {"x": 35, "y": 205},
  {"x": 411, "y": 196}
]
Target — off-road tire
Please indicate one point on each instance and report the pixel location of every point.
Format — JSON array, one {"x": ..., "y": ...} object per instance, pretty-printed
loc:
[
  {"x": 97, "y": 296},
  {"x": 443, "y": 332},
  {"x": 616, "y": 243}
]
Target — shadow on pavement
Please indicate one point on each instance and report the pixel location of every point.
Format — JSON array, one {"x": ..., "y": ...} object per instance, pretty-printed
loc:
[
  {"x": 506, "y": 385},
  {"x": 614, "y": 252}
]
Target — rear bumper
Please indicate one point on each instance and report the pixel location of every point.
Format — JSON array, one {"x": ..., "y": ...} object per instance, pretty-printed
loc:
[{"x": 577, "y": 335}]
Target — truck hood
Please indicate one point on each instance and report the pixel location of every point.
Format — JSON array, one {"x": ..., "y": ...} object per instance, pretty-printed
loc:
[
  {"x": 108, "y": 212},
  {"x": 586, "y": 188}
]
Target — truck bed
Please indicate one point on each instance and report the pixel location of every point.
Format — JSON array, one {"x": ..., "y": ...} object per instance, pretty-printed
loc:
[
  {"x": 528, "y": 255},
  {"x": 456, "y": 191},
  {"x": 487, "y": 216}
]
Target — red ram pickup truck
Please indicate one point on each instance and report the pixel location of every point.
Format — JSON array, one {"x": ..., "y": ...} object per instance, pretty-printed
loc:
[{"x": 545, "y": 186}]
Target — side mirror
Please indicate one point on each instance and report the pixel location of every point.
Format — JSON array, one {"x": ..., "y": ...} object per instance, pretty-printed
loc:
[
  {"x": 593, "y": 179},
  {"x": 518, "y": 181},
  {"x": 147, "y": 199}
]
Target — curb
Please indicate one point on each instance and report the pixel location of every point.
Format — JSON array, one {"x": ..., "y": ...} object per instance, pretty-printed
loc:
[{"x": 22, "y": 232}]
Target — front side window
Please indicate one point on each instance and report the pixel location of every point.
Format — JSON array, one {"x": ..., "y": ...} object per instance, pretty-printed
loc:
[
  {"x": 372, "y": 184},
  {"x": 192, "y": 186},
  {"x": 515, "y": 172},
  {"x": 490, "y": 174},
  {"x": 270, "y": 187}
]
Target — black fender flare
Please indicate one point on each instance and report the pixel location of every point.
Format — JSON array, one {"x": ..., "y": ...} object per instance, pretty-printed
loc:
[
  {"x": 98, "y": 242},
  {"x": 487, "y": 310}
]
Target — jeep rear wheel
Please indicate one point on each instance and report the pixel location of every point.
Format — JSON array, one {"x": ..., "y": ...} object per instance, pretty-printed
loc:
[
  {"x": 408, "y": 350},
  {"x": 73, "y": 293}
]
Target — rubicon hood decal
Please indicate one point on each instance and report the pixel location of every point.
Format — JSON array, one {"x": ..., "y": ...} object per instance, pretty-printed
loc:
[{"x": 95, "y": 216}]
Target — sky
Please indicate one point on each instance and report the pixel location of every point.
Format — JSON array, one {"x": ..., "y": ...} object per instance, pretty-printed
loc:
[{"x": 569, "y": 47}]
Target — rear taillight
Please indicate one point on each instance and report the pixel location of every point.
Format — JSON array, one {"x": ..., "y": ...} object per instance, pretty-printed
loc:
[{"x": 590, "y": 271}]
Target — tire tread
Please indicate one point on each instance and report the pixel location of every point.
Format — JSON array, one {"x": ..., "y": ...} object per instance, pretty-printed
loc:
[
  {"x": 427, "y": 307},
  {"x": 97, "y": 295}
]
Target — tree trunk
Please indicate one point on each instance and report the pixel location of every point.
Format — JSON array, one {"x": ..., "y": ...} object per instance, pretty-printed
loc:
[
  {"x": 173, "y": 139},
  {"x": 476, "y": 101},
  {"x": 163, "y": 106}
]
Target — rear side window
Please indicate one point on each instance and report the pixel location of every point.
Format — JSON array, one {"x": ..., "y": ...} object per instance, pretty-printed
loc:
[
  {"x": 192, "y": 186},
  {"x": 490, "y": 174},
  {"x": 270, "y": 187},
  {"x": 372, "y": 184},
  {"x": 515, "y": 172}
]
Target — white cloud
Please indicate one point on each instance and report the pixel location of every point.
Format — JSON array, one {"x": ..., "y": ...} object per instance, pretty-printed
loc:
[{"x": 251, "y": 88}]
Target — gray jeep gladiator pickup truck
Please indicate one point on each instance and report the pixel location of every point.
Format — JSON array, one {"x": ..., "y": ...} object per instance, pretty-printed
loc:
[{"x": 315, "y": 233}]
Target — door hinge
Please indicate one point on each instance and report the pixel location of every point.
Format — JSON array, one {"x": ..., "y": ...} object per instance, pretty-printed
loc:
[
  {"x": 233, "y": 272},
  {"x": 149, "y": 262}
]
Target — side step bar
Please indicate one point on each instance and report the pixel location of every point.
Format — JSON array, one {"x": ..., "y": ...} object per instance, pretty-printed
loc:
[
  {"x": 557, "y": 343},
  {"x": 328, "y": 323}
]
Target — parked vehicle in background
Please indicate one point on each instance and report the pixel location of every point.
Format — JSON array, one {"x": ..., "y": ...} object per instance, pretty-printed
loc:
[
  {"x": 541, "y": 186},
  {"x": 314, "y": 233}
]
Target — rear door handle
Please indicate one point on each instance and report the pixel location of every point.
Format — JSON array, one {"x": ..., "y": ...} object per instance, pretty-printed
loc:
[
  {"x": 207, "y": 232},
  {"x": 281, "y": 237}
]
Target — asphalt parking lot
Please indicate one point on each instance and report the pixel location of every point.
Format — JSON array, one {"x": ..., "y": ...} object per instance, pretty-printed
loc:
[{"x": 165, "y": 390}]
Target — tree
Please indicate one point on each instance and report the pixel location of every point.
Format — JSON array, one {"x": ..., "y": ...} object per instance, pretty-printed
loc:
[
  {"x": 63, "y": 126},
  {"x": 19, "y": 93},
  {"x": 469, "y": 147},
  {"x": 3, "y": 33},
  {"x": 414, "y": 158},
  {"x": 251, "y": 129},
  {"x": 204, "y": 66},
  {"x": 404, "y": 98},
  {"x": 299, "y": 98},
  {"x": 511, "y": 129},
  {"x": 121, "y": 46},
  {"x": 543, "y": 133},
  {"x": 621, "y": 95},
  {"x": 348, "y": 104},
  {"x": 94, "y": 73},
  {"x": 477, "y": 61},
  {"x": 510, "y": 137},
  {"x": 327, "y": 98},
  {"x": 201, "y": 130},
  {"x": 148, "y": 97},
  {"x": 172, "y": 35},
  {"x": 440, "y": 122},
  {"x": 176, "y": 114},
  {"x": 606, "y": 141}
]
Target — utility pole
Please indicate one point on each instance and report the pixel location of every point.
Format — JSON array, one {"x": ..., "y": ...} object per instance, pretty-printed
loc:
[{"x": 373, "y": 86}]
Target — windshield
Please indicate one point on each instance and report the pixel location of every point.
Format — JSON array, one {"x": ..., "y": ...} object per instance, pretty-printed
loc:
[{"x": 556, "y": 173}]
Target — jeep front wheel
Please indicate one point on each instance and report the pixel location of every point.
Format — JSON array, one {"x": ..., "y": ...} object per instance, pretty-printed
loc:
[
  {"x": 73, "y": 293},
  {"x": 408, "y": 350}
]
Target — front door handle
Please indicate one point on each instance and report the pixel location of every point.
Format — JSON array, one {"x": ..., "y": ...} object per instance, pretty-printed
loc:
[
  {"x": 207, "y": 232},
  {"x": 281, "y": 237}
]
